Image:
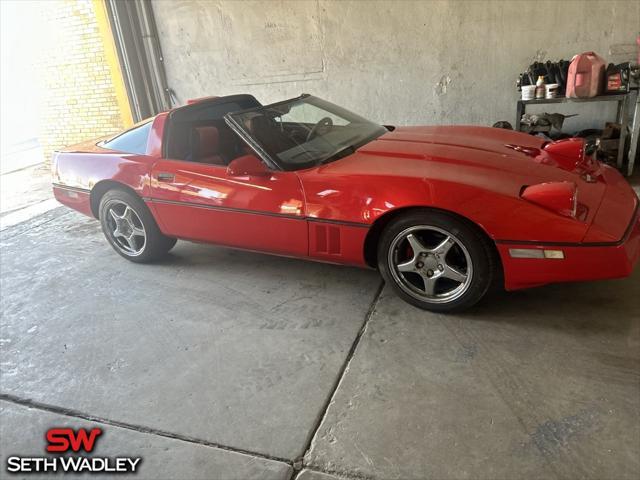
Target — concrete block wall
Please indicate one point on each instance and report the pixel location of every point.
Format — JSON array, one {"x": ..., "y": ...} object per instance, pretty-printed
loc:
[
  {"x": 79, "y": 98},
  {"x": 398, "y": 62}
]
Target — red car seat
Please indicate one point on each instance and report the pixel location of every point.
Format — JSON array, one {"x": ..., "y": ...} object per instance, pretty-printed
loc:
[{"x": 205, "y": 145}]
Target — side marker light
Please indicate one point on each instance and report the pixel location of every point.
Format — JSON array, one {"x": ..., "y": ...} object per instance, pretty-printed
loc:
[{"x": 535, "y": 253}]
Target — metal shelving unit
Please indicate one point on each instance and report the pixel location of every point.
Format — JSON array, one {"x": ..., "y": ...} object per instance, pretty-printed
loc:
[{"x": 623, "y": 100}]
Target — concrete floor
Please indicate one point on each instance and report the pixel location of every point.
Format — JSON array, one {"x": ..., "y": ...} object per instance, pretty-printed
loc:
[
  {"x": 25, "y": 193},
  {"x": 225, "y": 364}
]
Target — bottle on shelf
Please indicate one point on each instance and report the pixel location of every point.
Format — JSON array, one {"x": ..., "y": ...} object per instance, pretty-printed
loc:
[{"x": 540, "y": 87}]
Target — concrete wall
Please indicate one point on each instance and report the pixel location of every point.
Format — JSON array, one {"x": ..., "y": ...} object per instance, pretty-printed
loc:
[{"x": 392, "y": 61}]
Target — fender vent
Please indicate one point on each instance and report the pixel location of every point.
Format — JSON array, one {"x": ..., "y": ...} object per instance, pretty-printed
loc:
[{"x": 327, "y": 239}]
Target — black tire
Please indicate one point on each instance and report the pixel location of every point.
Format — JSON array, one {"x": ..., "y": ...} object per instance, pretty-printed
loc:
[
  {"x": 451, "y": 278},
  {"x": 145, "y": 242}
]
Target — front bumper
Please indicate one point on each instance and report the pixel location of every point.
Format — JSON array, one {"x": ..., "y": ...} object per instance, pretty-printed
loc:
[{"x": 581, "y": 261}]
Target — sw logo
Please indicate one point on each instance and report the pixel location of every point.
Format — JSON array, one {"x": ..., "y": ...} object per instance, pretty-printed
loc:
[
  {"x": 63, "y": 439},
  {"x": 67, "y": 442}
]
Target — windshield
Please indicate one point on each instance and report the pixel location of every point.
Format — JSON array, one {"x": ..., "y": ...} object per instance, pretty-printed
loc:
[{"x": 306, "y": 131}]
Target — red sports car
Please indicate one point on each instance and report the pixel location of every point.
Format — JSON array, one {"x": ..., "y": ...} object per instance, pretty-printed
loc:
[{"x": 442, "y": 212}]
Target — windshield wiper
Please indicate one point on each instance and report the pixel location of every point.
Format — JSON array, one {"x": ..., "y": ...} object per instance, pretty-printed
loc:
[
  {"x": 348, "y": 150},
  {"x": 343, "y": 152}
]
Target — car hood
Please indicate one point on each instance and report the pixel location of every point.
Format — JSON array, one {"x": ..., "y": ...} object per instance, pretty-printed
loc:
[
  {"x": 495, "y": 160},
  {"x": 487, "y": 153},
  {"x": 481, "y": 138}
]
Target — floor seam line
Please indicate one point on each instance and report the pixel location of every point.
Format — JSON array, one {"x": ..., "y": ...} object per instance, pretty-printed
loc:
[
  {"x": 136, "y": 428},
  {"x": 22, "y": 169},
  {"x": 7, "y": 236},
  {"x": 17, "y": 209},
  {"x": 299, "y": 462}
]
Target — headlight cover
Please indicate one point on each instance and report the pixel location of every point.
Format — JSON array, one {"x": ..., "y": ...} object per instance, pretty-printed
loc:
[{"x": 560, "y": 197}]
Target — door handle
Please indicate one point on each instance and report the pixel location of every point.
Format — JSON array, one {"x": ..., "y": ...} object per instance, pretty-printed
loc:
[{"x": 165, "y": 177}]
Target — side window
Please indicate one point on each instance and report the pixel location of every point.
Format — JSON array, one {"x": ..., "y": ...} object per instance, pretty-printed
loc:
[{"x": 131, "y": 141}]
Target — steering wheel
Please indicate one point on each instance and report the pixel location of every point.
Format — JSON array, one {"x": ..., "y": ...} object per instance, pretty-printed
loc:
[{"x": 323, "y": 124}]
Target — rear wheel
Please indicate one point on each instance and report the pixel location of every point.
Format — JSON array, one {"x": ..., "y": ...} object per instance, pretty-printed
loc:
[
  {"x": 436, "y": 261},
  {"x": 130, "y": 228}
]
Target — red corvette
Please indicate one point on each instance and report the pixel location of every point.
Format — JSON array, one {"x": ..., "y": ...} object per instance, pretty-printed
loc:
[{"x": 442, "y": 212}]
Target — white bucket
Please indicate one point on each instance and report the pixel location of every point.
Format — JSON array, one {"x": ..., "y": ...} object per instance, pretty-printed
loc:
[{"x": 528, "y": 92}]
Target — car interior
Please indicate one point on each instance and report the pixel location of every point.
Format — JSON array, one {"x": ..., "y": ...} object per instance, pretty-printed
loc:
[
  {"x": 205, "y": 142},
  {"x": 198, "y": 132}
]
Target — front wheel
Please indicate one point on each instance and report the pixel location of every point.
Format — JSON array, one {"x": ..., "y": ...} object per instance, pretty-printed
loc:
[
  {"x": 436, "y": 261},
  {"x": 130, "y": 228}
]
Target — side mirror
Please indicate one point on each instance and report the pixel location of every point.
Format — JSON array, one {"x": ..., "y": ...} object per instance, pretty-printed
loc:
[{"x": 247, "y": 165}]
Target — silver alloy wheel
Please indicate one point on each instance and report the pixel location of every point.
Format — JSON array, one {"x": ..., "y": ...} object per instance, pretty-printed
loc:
[
  {"x": 430, "y": 264},
  {"x": 125, "y": 228}
]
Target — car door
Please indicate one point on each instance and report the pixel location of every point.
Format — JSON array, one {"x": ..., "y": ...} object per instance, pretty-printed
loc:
[{"x": 206, "y": 202}]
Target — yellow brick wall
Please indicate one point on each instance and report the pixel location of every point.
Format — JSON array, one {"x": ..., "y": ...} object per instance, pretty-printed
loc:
[{"x": 79, "y": 100}]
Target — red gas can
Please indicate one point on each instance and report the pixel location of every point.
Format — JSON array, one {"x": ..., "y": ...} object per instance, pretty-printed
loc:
[{"x": 585, "y": 78}]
